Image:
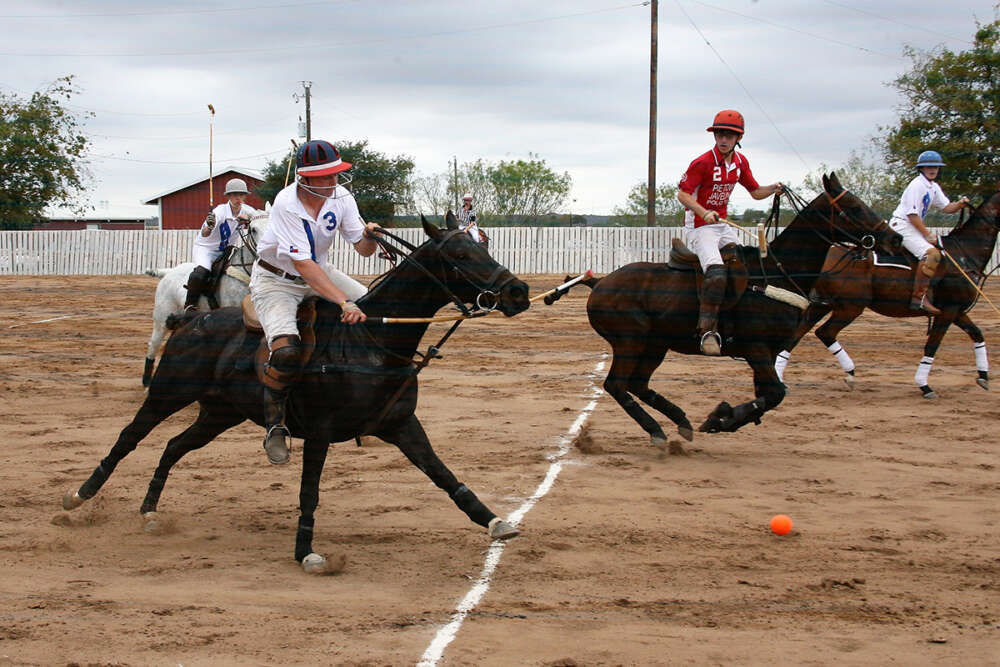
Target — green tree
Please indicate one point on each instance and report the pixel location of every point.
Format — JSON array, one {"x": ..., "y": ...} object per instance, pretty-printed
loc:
[
  {"x": 951, "y": 105},
  {"x": 872, "y": 181},
  {"x": 669, "y": 211},
  {"x": 527, "y": 189},
  {"x": 380, "y": 183},
  {"x": 42, "y": 147}
]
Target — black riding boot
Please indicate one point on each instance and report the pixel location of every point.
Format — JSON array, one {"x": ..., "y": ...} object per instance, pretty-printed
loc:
[
  {"x": 197, "y": 284},
  {"x": 275, "y": 441},
  {"x": 713, "y": 290}
]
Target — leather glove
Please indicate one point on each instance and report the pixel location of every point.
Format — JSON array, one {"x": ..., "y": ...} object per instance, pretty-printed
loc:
[{"x": 210, "y": 220}]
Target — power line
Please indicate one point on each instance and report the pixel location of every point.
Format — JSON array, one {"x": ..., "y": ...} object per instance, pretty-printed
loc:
[
  {"x": 891, "y": 20},
  {"x": 749, "y": 94},
  {"x": 96, "y": 156},
  {"x": 162, "y": 12},
  {"x": 326, "y": 46}
]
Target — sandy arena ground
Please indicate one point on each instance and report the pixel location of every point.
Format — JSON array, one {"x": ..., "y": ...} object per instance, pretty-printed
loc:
[{"x": 633, "y": 557}]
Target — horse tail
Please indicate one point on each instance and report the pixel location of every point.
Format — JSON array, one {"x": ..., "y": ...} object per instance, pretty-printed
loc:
[
  {"x": 156, "y": 273},
  {"x": 590, "y": 282}
]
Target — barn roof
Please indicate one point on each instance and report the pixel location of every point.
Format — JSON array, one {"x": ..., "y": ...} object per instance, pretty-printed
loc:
[{"x": 256, "y": 175}]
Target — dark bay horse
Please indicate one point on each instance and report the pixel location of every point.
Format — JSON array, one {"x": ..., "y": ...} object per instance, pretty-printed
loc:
[
  {"x": 359, "y": 381},
  {"x": 852, "y": 281},
  {"x": 645, "y": 309}
]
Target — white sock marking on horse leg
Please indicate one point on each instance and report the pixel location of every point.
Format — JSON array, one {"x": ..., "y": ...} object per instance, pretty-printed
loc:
[
  {"x": 840, "y": 354},
  {"x": 446, "y": 634},
  {"x": 982, "y": 361}
]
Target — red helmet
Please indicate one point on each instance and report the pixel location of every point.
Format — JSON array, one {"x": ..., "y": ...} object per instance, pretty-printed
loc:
[
  {"x": 319, "y": 158},
  {"x": 728, "y": 119}
]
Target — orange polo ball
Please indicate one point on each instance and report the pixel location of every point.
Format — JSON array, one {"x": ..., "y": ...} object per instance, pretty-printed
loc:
[{"x": 781, "y": 525}]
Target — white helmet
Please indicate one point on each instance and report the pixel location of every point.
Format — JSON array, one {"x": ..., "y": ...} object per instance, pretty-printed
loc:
[
  {"x": 236, "y": 186},
  {"x": 466, "y": 197}
]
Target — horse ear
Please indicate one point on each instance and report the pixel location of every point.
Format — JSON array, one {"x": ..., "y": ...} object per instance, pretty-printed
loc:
[
  {"x": 826, "y": 183},
  {"x": 430, "y": 229},
  {"x": 450, "y": 220},
  {"x": 835, "y": 185}
]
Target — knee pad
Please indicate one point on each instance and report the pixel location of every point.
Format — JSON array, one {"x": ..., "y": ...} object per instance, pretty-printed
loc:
[
  {"x": 930, "y": 261},
  {"x": 285, "y": 352}
]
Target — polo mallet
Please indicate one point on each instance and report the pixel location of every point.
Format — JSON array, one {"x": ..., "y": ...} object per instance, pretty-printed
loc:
[
  {"x": 589, "y": 273},
  {"x": 288, "y": 169},
  {"x": 211, "y": 123},
  {"x": 761, "y": 234}
]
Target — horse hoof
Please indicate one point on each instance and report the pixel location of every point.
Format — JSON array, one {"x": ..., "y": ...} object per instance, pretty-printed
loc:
[
  {"x": 928, "y": 392},
  {"x": 501, "y": 530},
  {"x": 686, "y": 432},
  {"x": 849, "y": 380},
  {"x": 985, "y": 384},
  {"x": 71, "y": 500},
  {"x": 317, "y": 565}
]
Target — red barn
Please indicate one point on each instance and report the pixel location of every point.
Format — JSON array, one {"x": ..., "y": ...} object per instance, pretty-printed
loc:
[{"x": 185, "y": 207}]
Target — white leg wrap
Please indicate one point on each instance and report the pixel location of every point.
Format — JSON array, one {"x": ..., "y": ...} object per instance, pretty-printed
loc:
[
  {"x": 982, "y": 361},
  {"x": 781, "y": 362},
  {"x": 844, "y": 359},
  {"x": 923, "y": 371}
]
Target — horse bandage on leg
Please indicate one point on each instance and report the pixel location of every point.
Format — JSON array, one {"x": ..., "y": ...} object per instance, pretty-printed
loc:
[
  {"x": 982, "y": 360},
  {"x": 840, "y": 354},
  {"x": 923, "y": 371}
]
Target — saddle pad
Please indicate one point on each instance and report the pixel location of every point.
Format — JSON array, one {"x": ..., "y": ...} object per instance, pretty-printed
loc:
[{"x": 895, "y": 261}]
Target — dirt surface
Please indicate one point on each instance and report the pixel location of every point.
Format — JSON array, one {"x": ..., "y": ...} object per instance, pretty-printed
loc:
[{"x": 635, "y": 556}]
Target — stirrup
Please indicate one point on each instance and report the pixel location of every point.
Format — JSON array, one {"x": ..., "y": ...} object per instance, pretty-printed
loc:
[
  {"x": 275, "y": 445},
  {"x": 711, "y": 344},
  {"x": 926, "y": 306},
  {"x": 191, "y": 309}
]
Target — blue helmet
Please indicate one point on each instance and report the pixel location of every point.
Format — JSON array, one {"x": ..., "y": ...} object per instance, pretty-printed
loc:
[{"x": 930, "y": 159}]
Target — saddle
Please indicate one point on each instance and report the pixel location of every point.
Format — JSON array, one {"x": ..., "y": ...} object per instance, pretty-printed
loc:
[
  {"x": 682, "y": 259},
  {"x": 305, "y": 319}
]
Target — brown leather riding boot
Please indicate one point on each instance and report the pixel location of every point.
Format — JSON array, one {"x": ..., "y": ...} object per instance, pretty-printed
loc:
[
  {"x": 921, "y": 298},
  {"x": 713, "y": 290}
]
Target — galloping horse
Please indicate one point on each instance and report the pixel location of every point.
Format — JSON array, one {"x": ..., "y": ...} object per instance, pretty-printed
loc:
[
  {"x": 233, "y": 285},
  {"x": 360, "y": 379},
  {"x": 645, "y": 309},
  {"x": 852, "y": 281}
]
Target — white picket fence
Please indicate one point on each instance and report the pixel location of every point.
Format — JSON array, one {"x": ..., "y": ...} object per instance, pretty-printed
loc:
[{"x": 523, "y": 250}]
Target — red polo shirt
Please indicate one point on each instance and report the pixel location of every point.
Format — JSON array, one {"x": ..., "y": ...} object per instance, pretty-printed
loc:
[{"x": 711, "y": 181}]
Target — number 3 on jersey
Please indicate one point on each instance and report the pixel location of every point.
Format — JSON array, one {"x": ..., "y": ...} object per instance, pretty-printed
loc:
[{"x": 332, "y": 219}]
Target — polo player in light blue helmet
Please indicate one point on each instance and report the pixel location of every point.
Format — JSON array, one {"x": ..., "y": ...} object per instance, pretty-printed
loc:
[{"x": 922, "y": 194}]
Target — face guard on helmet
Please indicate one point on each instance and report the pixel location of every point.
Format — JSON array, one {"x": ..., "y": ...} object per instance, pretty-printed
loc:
[{"x": 320, "y": 158}]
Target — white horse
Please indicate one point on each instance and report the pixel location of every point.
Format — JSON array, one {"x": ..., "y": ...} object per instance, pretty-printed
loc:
[{"x": 233, "y": 285}]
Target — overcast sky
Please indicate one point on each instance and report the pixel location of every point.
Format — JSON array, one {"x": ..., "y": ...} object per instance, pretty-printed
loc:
[{"x": 567, "y": 81}]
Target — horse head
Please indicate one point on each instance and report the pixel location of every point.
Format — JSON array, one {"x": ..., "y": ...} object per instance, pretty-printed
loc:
[
  {"x": 853, "y": 221},
  {"x": 471, "y": 274}
]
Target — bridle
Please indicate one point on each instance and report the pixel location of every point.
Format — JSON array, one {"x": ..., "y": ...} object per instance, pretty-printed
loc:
[
  {"x": 488, "y": 293},
  {"x": 866, "y": 241}
]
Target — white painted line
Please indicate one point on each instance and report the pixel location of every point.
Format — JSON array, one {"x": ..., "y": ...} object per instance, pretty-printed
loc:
[
  {"x": 51, "y": 319},
  {"x": 447, "y": 633}
]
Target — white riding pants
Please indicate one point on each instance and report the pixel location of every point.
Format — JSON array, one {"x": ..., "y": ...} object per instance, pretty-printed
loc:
[
  {"x": 913, "y": 240},
  {"x": 706, "y": 240},
  {"x": 277, "y": 299},
  {"x": 204, "y": 256}
]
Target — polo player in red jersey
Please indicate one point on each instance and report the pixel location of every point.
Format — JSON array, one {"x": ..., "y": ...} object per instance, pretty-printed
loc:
[{"x": 704, "y": 190}]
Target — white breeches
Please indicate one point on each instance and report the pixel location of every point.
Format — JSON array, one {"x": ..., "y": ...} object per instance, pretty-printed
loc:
[
  {"x": 706, "y": 240},
  {"x": 913, "y": 240},
  {"x": 203, "y": 256},
  {"x": 277, "y": 299}
]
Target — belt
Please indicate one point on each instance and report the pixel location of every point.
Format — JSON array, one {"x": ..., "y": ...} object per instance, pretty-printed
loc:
[{"x": 299, "y": 280}]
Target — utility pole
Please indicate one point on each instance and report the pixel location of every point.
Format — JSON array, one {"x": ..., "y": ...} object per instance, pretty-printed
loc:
[
  {"x": 651, "y": 185},
  {"x": 455, "y": 172},
  {"x": 307, "y": 86}
]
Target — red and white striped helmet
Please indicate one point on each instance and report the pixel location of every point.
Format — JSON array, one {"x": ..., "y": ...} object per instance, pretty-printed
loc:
[{"x": 319, "y": 158}]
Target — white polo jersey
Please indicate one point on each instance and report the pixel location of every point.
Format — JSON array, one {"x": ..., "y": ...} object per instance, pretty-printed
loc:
[
  {"x": 225, "y": 226},
  {"x": 919, "y": 197},
  {"x": 293, "y": 234}
]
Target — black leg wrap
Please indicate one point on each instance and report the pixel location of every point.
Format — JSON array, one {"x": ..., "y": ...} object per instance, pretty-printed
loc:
[
  {"x": 303, "y": 538},
  {"x": 472, "y": 506},
  {"x": 726, "y": 418},
  {"x": 97, "y": 479},
  {"x": 153, "y": 495}
]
